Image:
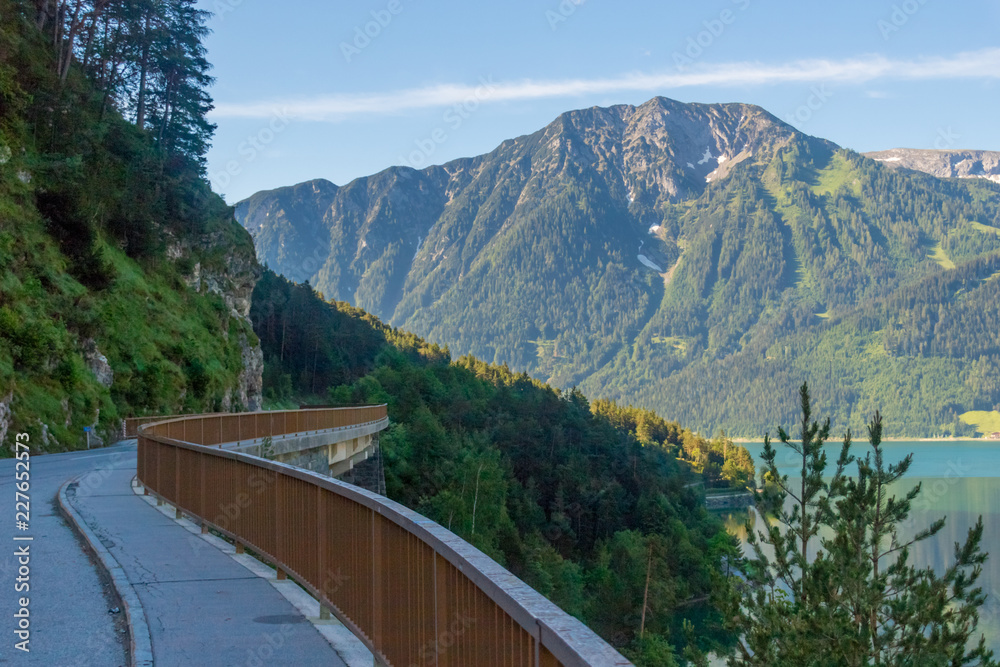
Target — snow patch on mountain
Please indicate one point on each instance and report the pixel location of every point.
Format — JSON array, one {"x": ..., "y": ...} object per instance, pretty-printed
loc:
[{"x": 646, "y": 261}]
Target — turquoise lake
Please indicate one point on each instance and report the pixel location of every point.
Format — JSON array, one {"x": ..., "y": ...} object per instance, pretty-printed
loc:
[{"x": 961, "y": 481}]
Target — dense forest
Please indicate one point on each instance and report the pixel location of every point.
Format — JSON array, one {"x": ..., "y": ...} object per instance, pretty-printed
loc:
[
  {"x": 606, "y": 251},
  {"x": 584, "y": 501},
  {"x": 108, "y": 230},
  {"x": 849, "y": 282}
]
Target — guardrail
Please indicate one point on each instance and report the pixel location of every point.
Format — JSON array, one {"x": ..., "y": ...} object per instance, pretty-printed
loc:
[
  {"x": 413, "y": 592},
  {"x": 235, "y": 427},
  {"x": 132, "y": 424}
]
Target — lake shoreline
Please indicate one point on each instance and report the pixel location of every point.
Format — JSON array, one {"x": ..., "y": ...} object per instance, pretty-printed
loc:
[{"x": 744, "y": 441}]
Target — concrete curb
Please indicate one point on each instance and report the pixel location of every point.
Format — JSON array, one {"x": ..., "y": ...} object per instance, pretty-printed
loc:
[{"x": 140, "y": 648}]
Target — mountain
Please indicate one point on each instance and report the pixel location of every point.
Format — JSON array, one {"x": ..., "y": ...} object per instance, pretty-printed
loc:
[
  {"x": 699, "y": 260},
  {"x": 943, "y": 163}
]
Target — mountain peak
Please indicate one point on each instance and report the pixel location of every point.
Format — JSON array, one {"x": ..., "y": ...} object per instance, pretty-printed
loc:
[{"x": 670, "y": 148}]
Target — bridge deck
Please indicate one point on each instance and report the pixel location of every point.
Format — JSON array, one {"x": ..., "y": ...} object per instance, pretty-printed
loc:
[{"x": 201, "y": 605}]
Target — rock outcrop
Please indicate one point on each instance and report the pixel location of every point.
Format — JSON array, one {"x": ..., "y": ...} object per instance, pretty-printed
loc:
[
  {"x": 250, "y": 387},
  {"x": 232, "y": 274},
  {"x": 5, "y": 416},
  {"x": 98, "y": 363}
]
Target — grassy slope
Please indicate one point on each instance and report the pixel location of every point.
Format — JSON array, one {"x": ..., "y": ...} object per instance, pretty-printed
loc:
[
  {"x": 986, "y": 422},
  {"x": 66, "y": 279},
  {"x": 170, "y": 348}
]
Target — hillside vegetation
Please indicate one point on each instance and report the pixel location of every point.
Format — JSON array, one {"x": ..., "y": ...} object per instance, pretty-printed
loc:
[
  {"x": 124, "y": 279},
  {"x": 839, "y": 287},
  {"x": 686, "y": 258},
  {"x": 582, "y": 500}
]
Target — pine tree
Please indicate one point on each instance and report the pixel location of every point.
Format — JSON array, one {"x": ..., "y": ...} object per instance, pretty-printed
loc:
[{"x": 839, "y": 587}]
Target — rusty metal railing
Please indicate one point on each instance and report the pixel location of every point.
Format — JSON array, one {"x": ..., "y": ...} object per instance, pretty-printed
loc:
[
  {"x": 132, "y": 424},
  {"x": 413, "y": 592},
  {"x": 224, "y": 427}
]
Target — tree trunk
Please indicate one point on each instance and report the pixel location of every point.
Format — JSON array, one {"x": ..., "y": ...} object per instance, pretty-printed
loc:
[
  {"x": 645, "y": 596},
  {"x": 66, "y": 45},
  {"x": 41, "y": 13},
  {"x": 475, "y": 500},
  {"x": 140, "y": 107},
  {"x": 284, "y": 327},
  {"x": 167, "y": 108}
]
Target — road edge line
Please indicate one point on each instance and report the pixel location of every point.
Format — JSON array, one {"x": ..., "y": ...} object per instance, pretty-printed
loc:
[{"x": 140, "y": 645}]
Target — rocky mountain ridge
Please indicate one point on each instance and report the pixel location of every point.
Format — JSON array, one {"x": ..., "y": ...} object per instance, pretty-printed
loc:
[
  {"x": 943, "y": 163},
  {"x": 422, "y": 228}
]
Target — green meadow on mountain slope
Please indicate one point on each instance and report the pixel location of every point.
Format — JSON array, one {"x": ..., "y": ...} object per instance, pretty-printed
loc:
[{"x": 686, "y": 258}]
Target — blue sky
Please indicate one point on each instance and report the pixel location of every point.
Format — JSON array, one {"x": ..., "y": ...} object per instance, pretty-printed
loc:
[{"x": 318, "y": 89}]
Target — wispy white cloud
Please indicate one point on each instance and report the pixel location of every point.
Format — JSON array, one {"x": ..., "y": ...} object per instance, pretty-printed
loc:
[{"x": 983, "y": 64}]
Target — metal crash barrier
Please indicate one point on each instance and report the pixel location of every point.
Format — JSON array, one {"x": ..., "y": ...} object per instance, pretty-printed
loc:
[{"x": 412, "y": 591}]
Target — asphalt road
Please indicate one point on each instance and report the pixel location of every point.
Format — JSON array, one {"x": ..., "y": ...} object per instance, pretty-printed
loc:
[{"x": 69, "y": 602}]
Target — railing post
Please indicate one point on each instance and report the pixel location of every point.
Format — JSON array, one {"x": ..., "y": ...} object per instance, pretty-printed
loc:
[
  {"x": 440, "y": 606},
  {"x": 201, "y": 489},
  {"x": 159, "y": 469},
  {"x": 376, "y": 582},
  {"x": 278, "y": 523},
  {"x": 538, "y": 647},
  {"x": 321, "y": 545},
  {"x": 177, "y": 479}
]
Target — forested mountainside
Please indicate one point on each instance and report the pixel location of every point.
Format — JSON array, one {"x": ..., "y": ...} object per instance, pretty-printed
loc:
[
  {"x": 125, "y": 281},
  {"x": 685, "y": 258},
  {"x": 582, "y": 500}
]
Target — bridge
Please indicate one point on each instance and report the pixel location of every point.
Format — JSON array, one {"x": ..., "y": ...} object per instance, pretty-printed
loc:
[
  {"x": 409, "y": 590},
  {"x": 347, "y": 437}
]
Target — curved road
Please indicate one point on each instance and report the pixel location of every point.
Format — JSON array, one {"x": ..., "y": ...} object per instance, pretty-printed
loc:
[
  {"x": 69, "y": 601},
  {"x": 201, "y": 606}
]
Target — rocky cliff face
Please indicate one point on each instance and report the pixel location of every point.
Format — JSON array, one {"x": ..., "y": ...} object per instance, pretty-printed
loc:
[
  {"x": 5, "y": 415},
  {"x": 943, "y": 163},
  {"x": 231, "y": 272}
]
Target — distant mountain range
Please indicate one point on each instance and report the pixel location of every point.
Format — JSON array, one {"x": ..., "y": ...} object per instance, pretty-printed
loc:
[
  {"x": 700, "y": 260},
  {"x": 944, "y": 163}
]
